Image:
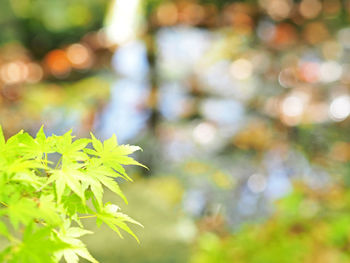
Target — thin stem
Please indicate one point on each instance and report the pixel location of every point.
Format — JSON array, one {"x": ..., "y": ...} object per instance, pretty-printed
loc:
[
  {"x": 43, "y": 159},
  {"x": 58, "y": 162},
  {"x": 82, "y": 217},
  {"x": 3, "y": 204},
  {"x": 14, "y": 240}
]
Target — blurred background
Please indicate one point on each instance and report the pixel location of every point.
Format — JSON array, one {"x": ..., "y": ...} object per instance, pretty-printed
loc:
[{"x": 241, "y": 108}]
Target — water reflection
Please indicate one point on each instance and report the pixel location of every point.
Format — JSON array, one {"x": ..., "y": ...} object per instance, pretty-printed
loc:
[
  {"x": 126, "y": 114},
  {"x": 216, "y": 96}
]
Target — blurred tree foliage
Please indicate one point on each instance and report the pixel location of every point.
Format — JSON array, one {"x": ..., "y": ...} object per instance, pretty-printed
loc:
[
  {"x": 310, "y": 225},
  {"x": 45, "y": 25}
]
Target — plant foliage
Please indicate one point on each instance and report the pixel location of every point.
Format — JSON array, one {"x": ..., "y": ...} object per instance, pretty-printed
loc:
[{"x": 48, "y": 185}]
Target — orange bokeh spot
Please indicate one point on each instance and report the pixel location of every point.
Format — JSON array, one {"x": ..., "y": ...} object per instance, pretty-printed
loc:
[
  {"x": 167, "y": 14},
  {"x": 58, "y": 63},
  {"x": 331, "y": 7},
  {"x": 79, "y": 56},
  {"x": 309, "y": 72},
  {"x": 191, "y": 14},
  {"x": 285, "y": 35},
  {"x": 315, "y": 32}
]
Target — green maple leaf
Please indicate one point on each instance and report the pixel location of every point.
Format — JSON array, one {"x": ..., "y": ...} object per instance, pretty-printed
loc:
[
  {"x": 76, "y": 247},
  {"x": 113, "y": 155},
  {"x": 70, "y": 150},
  {"x": 67, "y": 178},
  {"x": 48, "y": 210},
  {"x": 37, "y": 246},
  {"x": 115, "y": 220},
  {"x": 29, "y": 178},
  {"x": 73, "y": 205},
  {"x": 21, "y": 165},
  {"x": 98, "y": 176},
  {"x": 35, "y": 147},
  {"x": 44, "y": 201},
  {"x": 23, "y": 211}
]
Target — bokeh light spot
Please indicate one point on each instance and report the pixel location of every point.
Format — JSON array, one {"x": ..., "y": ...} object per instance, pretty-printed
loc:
[
  {"x": 339, "y": 109},
  {"x": 204, "y": 133},
  {"x": 257, "y": 183},
  {"x": 310, "y": 8},
  {"x": 79, "y": 56},
  {"x": 14, "y": 72},
  {"x": 58, "y": 63},
  {"x": 292, "y": 106},
  {"x": 241, "y": 69}
]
